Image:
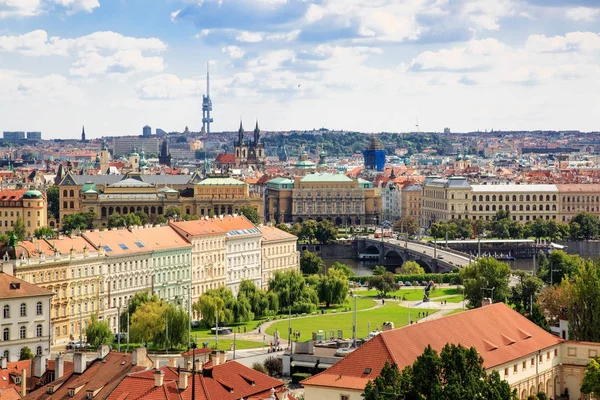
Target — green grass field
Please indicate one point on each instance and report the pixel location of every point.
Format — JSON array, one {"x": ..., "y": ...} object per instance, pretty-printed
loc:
[
  {"x": 361, "y": 304},
  {"x": 452, "y": 299},
  {"x": 373, "y": 318},
  {"x": 225, "y": 343}
]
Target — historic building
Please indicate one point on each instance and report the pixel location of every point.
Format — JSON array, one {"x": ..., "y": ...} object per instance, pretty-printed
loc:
[
  {"x": 154, "y": 194},
  {"x": 249, "y": 153},
  {"x": 411, "y": 202},
  {"x": 164, "y": 157},
  {"x": 279, "y": 253},
  {"x": 374, "y": 155},
  {"x": 29, "y": 205},
  {"x": 336, "y": 197},
  {"x": 25, "y": 317},
  {"x": 576, "y": 198}
]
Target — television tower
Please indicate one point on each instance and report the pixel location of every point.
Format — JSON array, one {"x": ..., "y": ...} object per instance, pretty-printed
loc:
[{"x": 206, "y": 105}]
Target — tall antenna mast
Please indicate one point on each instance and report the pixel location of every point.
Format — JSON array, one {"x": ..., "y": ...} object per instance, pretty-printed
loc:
[
  {"x": 207, "y": 104},
  {"x": 417, "y": 125}
]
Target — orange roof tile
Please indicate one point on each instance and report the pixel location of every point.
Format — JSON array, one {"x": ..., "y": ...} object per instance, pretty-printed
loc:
[
  {"x": 476, "y": 328},
  {"x": 199, "y": 227},
  {"x": 12, "y": 194},
  {"x": 161, "y": 237},
  {"x": 11, "y": 287},
  {"x": 64, "y": 244},
  {"x": 272, "y": 233},
  {"x": 116, "y": 242}
]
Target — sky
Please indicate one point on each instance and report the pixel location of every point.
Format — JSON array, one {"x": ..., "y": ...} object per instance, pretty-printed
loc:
[{"x": 366, "y": 65}]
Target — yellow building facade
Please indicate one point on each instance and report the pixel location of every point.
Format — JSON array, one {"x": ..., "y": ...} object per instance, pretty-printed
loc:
[
  {"x": 279, "y": 253},
  {"x": 29, "y": 205}
]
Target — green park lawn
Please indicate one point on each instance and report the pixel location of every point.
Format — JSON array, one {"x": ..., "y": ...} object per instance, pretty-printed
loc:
[
  {"x": 361, "y": 304},
  {"x": 373, "y": 318},
  {"x": 226, "y": 342},
  {"x": 452, "y": 299}
]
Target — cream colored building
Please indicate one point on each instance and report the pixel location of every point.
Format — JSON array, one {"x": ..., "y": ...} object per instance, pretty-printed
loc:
[
  {"x": 29, "y": 205},
  {"x": 444, "y": 199},
  {"x": 412, "y": 199},
  {"x": 279, "y": 253},
  {"x": 576, "y": 198},
  {"x": 208, "y": 253}
]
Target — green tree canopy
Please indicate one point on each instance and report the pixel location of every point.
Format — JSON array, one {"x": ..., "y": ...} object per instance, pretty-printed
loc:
[
  {"x": 44, "y": 231},
  {"x": 325, "y": 232},
  {"x": 379, "y": 270},
  {"x": 311, "y": 263},
  {"x": 561, "y": 264},
  {"x": 98, "y": 332},
  {"x": 582, "y": 294},
  {"x": 172, "y": 212},
  {"x": 333, "y": 287},
  {"x": 53, "y": 200},
  {"x": 342, "y": 267},
  {"x": 251, "y": 213},
  {"x": 292, "y": 290},
  {"x": 483, "y": 275},
  {"x": 308, "y": 231},
  {"x": 591, "y": 379},
  {"x": 78, "y": 221},
  {"x": 411, "y": 268},
  {"x": 384, "y": 283},
  {"x": 26, "y": 354},
  {"x": 19, "y": 229},
  {"x": 406, "y": 224},
  {"x": 584, "y": 226},
  {"x": 262, "y": 303},
  {"x": 148, "y": 322},
  {"x": 117, "y": 220}
]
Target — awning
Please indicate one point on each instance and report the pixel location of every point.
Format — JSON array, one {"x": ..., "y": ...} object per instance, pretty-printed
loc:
[{"x": 557, "y": 246}]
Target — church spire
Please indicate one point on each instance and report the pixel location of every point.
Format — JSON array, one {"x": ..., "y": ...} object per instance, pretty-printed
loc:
[
  {"x": 256, "y": 133},
  {"x": 83, "y": 133},
  {"x": 241, "y": 134}
]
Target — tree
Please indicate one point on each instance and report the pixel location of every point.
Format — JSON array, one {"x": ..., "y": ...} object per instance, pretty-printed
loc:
[
  {"x": 584, "y": 226},
  {"x": 384, "y": 283},
  {"x": 342, "y": 267},
  {"x": 98, "y": 332},
  {"x": 333, "y": 287},
  {"x": 148, "y": 322},
  {"x": 591, "y": 379},
  {"x": 117, "y": 220},
  {"x": 406, "y": 224},
  {"x": 379, "y": 270},
  {"x": 44, "y": 231},
  {"x": 262, "y": 303},
  {"x": 144, "y": 218},
  {"x": 582, "y": 294},
  {"x": 552, "y": 302},
  {"x": 221, "y": 301},
  {"x": 177, "y": 318},
  {"x": 411, "y": 268},
  {"x": 311, "y": 263},
  {"x": 325, "y": 232},
  {"x": 457, "y": 373},
  {"x": 561, "y": 264},
  {"x": 134, "y": 303},
  {"x": 26, "y": 354},
  {"x": 292, "y": 290},
  {"x": 173, "y": 212},
  {"x": 19, "y": 229},
  {"x": 251, "y": 213},
  {"x": 539, "y": 228},
  {"x": 308, "y": 231},
  {"x": 274, "y": 366},
  {"x": 284, "y": 227},
  {"x": 158, "y": 219},
  {"x": 483, "y": 275},
  {"x": 259, "y": 367},
  {"x": 78, "y": 221},
  {"x": 524, "y": 294},
  {"x": 53, "y": 200}
]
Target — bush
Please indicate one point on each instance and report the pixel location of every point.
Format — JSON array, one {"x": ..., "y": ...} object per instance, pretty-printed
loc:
[
  {"x": 299, "y": 376},
  {"x": 532, "y": 397},
  {"x": 259, "y": 367},
  {"x": 274, "y": 366},
  {"x": 301, "y": 307},
  {"x": 542, "y": 396}
]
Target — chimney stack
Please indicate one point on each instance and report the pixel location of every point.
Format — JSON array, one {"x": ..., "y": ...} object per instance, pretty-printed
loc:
[
  {"x": 183, "y": 380},
  {"x": 159, "y": 377},
  {"x": 39, "y": 366},
  {"x": 103, "y": 351},
  {"x": 3, "y": 361},
  {"x": 79, "y": 363},
  {"x": 189, "y": 365},
  {"x": 23, "y": 383},
  {"x": 139, "y": 356},
  {"x": 59, "y": 367}
]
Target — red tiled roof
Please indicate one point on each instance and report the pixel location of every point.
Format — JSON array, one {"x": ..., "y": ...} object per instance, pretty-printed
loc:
[
  {"x": 12, "y": 194},
  {"x": 272, "y": 233},
  {"x": 225, "y": 158},
  {"x": 497, "y": 332},
  {"x": 8, "y": 288}
]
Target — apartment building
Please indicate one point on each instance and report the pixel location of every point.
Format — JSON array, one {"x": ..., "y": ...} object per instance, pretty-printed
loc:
[
  {"x": 279, "y": 253},
  {"x": 29, "y": 205}
]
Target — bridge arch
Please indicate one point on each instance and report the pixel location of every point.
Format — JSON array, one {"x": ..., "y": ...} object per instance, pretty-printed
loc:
[
  {"x": 425, "y": 266},
  {"x": 394, "y": 258},
  {"x": 372, "y": 249}
]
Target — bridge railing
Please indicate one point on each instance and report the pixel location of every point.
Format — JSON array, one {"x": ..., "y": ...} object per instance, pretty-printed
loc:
[{"x": 441, "y": 247}]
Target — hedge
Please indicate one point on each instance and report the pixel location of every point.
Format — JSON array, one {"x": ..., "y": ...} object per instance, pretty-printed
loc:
[
  {"x": 299, "y": 376},
  {"x": 451, "y": 278}
]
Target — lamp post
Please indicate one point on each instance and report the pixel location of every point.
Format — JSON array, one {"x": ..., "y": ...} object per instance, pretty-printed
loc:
[
  {"x": 119, "y": 329},
  {"x": 354, "y": 324}
]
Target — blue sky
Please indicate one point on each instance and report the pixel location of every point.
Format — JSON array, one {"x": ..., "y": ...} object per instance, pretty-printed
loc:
[{"x": 116, "y": 65}]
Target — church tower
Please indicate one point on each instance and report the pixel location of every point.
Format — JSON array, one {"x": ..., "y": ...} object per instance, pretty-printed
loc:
[
  {"x": 83, "y": 134},
  {"x": 165, "y": 157},
  {"x": 104, "y": 159},
  {"x": 241, "y": 147}
]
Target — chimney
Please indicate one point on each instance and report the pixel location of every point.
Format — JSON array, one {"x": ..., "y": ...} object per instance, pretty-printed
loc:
[
  {"x": 189, "y": 365},
  {"x": 39, "y": 366},
  {"x": 183, "y": 380},
  {"x": 79, "y": 363},
  {"x": 159, "y": 377},
  {"x": 23, "y": 383},
  {"x": 3, "y": 361},
  {"x": 486, "y": 301},
  {"x": 157, "y": 363},
  {"x": 59, "y": 367},
  {"x": 173, "y": 362},
  {"x": 103, "y": 351},
  {"x": 198, "y": 365},
  {"x": 139, "y": 356}
]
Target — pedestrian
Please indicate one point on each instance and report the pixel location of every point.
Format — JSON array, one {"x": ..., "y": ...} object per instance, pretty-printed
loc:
[
  {"x": 259, "y": 329},
  {"x": 244, "y": 329},
  {"x": 383, "y": 302},
  {"x": 428, "y": 313}
]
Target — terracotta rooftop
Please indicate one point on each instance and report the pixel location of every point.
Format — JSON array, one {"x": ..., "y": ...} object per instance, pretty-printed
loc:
[
  {"x": 117, "y": 242},
  {"x": 12, "y": 194},
  {"x": 199, "y": 227},
  {"x": 225, "y": 158},
  {"x": 497, "y": 332},
  {"x": 64, "y": 244},
  {"x": 11, "y": 287},
  {"x": 161, "y": 237},
  {"x": 272, "y": 233}
]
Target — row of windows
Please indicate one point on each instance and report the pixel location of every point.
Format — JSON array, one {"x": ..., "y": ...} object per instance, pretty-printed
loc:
[
  {"x": 39, "y": 332},
  {"x": 514, "y": 197},
  {"x": 580, "y": 199},
  {"x": 532, "y": 362},
  {"x": 71, "y": 193},
  {"x": 23, "y": 309},
  {"x": 514, "y": 207}
]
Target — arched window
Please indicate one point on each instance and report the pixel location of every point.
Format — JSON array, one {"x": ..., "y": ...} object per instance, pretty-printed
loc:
[
  {"x": 514, "y": 197},
  {"x": 493, "y": 207},
  {"x": 474, "y": 209},
  {"x": 474, "y": 198},
  {"x": 65, "y": 204},
  {"x": 554, "y": 207},
  {"x": 487, "y": 207},
  {"x": 500, "y": 207},
  {"x": 38, "y": 308},
  {"x": 494, "y": 198},
  {"x": 534, "y": 207},
  {"x": 527, "y": 198},
  {"x": 72, "y": 204},
  {"x": 487, "y": 198},
  {"x": 6, "y": 355},
  {"x": 480, "y": 207},
  {"x": 65, "y": 193},
  {"x": 6, "y": 334},
  {"x": 22, "y": 332},
  {"x": 71, "y": 193},
  {"x": 38, "y": 351},
  {"x": 38, "y": 330},
  {"x": 553, "y": 198},
  {"x": 521, "y": 207},
  {"x": 6, "y": 311},
  {"x": 480, "y": 198},
  {"x": 548, "y": 207},
  {"x": 534, "y": 198},
  {"x": 527, "y": 207},
  {"x": 520, "y": 197},
  {"x": 500, "y": 198},
  {"x": 23, "y": 310}
]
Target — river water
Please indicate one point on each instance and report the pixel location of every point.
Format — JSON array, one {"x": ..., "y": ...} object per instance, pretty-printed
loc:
[{"x": 365, "y": 268}]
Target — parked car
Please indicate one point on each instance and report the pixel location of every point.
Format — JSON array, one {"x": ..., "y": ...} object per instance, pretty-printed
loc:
[
  {"x": 424, "y": 283},
  {"x": 407, "y": 283},
  {"x": 344, "y": 351},
  {"x": 440, "y": 256},
  {"x": 400, "y": 283},
  {"x": 121, "y": 336}
]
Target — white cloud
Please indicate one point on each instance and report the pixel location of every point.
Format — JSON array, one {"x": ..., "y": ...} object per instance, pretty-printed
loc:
[
  {"x": 15, "y": 86},
  {"x": 30, "y": 8},
  {"x": 95, "y": 54},
  {"x": 585, "y": 14},
  {"x": 233, "y": 52},
  {"x": 174, "y": 15},
  {"x": 485, "y": 14},
  {"x": 249, "y": 37},
  {"x": 571, "y": 42},
  {"x": 167, "y": 86}
]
